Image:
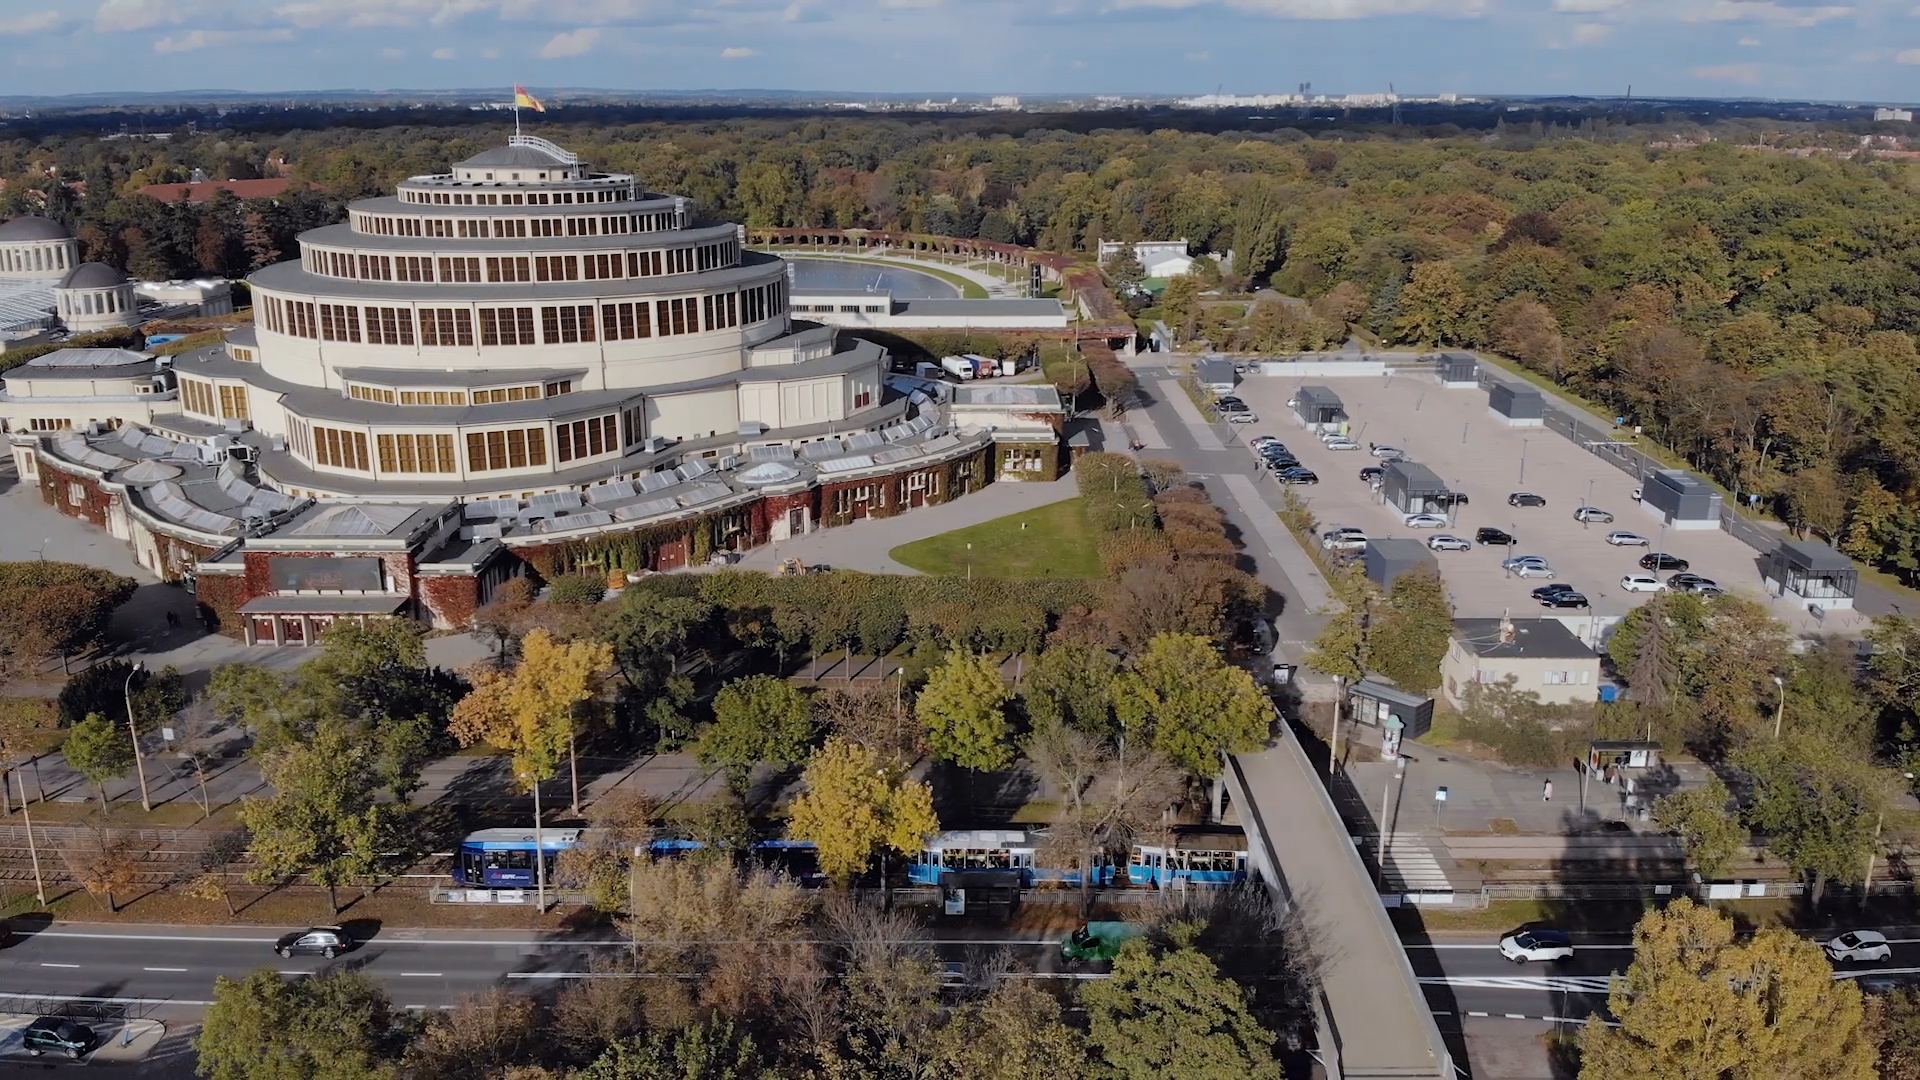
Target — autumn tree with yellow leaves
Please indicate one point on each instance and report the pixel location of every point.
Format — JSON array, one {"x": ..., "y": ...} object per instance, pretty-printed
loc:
[
  {"x": 855, "y": 806},
  {"x": 536, "y": 711}
]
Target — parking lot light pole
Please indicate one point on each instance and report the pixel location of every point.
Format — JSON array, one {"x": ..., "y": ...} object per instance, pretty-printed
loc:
[
  {"x": 1779, "y": 703},
  {"x": 133, "y": 732},
  {"x": 1523, "y": 460}
]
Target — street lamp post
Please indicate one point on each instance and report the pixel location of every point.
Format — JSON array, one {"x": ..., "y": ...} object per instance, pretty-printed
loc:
[
  {"x": 133, "y": 731},
  {"x": 1339, "y": 707},
  {"x": 539, "y": 850},
  {"x": 1386, "y": 823},
  {"x": 1523, "y": 460},
  {"x": 1779, "y": 703}
]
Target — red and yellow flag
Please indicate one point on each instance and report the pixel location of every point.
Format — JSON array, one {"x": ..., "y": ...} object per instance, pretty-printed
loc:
[{"x": 524, "y": 100}]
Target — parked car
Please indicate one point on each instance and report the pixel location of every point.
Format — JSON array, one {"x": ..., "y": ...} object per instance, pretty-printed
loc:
[
  {"x": 1448, "y": 542},
  {"x": 1372, "y": 474},
  {"x": 1279, "y": 462},
  {"x": 1242, "y": 418},
  {"x": 1526, "y": 498},
  {"x": 1343, "y": 539},
  {"x": 1381, "y": 450},
  {"x": 1527, "y": 570},
  {"x": 1229, "y": 406},
  {"x": 1424, "y": 521},
  {"x": 1451, "y": 498},
  {"x": 1342, "y": 444},
  {"x": 1524, "y": 945},
  {"x": 1859, "y": 945},
  {"x": 1514, "y": 561},
  {"x": 1297, "y": 476},
  {"x": 1492, "y": 536},
  {"x": 1660, "y": 560},
  {"x": 327, "y": 941},
  {"x": 1693, "y": 583},
  {"x": 1259, "y": 441},
  {"x": 1545, "y": 591},
  {"x": 1330, "y": 436},
  {"x": 1228, "y": 400},
  {"x": 1623, "y": 538},
  {"x": 60, "y": 1034},
  {"x": 1593, "y": 514},
  {"x": 1641, "y": 583},
  {"x": 1564, "y": 600}
]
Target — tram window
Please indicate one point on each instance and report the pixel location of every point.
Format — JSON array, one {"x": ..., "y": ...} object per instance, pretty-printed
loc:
[
  {"x": 497, "y": 860},
  {"x": 519, "y": 860}
]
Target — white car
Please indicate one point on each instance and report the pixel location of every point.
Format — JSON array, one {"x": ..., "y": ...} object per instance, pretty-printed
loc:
[
  {"x": 1859, "y": 945},
  {"x": 1338, "y": 539},
  {"x": 1424, "y": 521},
  {"x": 1342, "y": 444},
  {"x": 1241, "y": 418},
  {"x": 1623, "y": 538},
  {"x": 1448, "y": 542},
  {"x": 1518, "y": 561},
  {"x": 1642, "y": 583},
  {"x": 1381, "y": 450},
  {"x": 1524, "y": 945},
  {"x": 1533, "y": 569}
]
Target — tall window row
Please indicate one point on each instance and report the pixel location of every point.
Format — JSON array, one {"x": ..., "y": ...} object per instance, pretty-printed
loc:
[
  {"x": 612, "y": 265},
  {"x": 226, "y": 401},
  {"x": 417, "y": 454},
  {"x": 586, "y": 438},
  {"x": 561, "y": 324},
  {"x": 480, "y": 228},
  {"x": 617, "y": 193}
]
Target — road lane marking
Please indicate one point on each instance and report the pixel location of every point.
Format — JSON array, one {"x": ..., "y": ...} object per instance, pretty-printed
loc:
[
  {"x": 1578, "y": 946},
  {"x": 421, "y": 975},
  {"x": 60, "y": 965},
  {"x": 295, "y": 972},
  {"x": 119, "y": 1000},
  {"x": 175, "y": 970},
  {"x": 1581, "y": 984}
]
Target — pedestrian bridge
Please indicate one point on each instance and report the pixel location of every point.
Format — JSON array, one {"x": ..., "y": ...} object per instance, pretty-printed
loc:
[{"x": 1373, "y": 1020}]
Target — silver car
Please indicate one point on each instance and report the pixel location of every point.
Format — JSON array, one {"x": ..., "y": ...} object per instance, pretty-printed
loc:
[
  {"x": 1623, "y": 538},
  {"x": 1449, "y": 542}
]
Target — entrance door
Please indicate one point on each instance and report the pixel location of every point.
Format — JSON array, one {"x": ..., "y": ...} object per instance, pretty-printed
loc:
[{"x": 797, "y": 521}]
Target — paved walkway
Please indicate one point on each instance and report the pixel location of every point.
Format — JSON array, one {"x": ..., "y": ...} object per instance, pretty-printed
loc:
[
  {"x": 1203, "y": 432},
  {"x": 1310, "y": 586},
  {"x": 863, "y": 545}
]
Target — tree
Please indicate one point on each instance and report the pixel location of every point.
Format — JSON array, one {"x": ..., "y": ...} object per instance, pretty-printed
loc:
[
  {"x": 1696, "y": 1003},
  {"x": 322, "y": 819},
  {"x": 1015, "y": 1033},
  {"x": 619, "y": 824},
  {"x": 709, "y": 1050},
  {"x": 1072, "y": 685},
  {"x": 1709, "y": 830},
  {"x": 874, "y": 717},
  {"x": 1172, "y": 1017},
  {"x": 336, "y": 1025},
  {"x": 1188, "y": 703},
  {"x": 1433, "y": 305},
  {"x": 1817, "y": 805},
  {"x": 1123, "y": 268},
  {"x": 755, "y": 719},
  {"x": 505, "y": 615},
  {"x": 854, "y": 805},
  {"x": 54, "y": 608},
  {"x": 535, "y": 712},
  {"x": 99, "y": 750},
  {"x": 964, "y": 709},
  {"x": 1180, "y": 305},
  {"x": 103, "y": 862},
  {"x": 1895, "y": 1019},
  {"x": 1409, "y": 642},
  {"x": 481, "y": 1035}
]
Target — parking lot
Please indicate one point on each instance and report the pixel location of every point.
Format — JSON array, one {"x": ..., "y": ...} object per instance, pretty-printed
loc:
[{"x": 1452, "y": 432}]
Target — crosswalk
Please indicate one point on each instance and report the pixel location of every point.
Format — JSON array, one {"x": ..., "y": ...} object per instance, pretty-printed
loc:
[
  {"x": 1573, "y": 984},
  {"x": 1411, "y": 866}
]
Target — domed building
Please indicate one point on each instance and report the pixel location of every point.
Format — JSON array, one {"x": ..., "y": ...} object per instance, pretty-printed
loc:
[
  {"x": 35, "y": 247},
  {"x": 517, "y": 357},
  {"x": 94, "y": 296}
]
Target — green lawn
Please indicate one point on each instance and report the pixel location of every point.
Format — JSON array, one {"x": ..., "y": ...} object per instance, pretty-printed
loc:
[{"x": 1054, "y": 542}]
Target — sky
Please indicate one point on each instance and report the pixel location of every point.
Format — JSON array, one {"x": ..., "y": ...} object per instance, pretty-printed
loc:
[{"x": 1863, "y": 50}]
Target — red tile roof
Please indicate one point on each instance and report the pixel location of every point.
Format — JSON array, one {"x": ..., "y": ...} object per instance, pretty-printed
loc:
[{"x": 201, "y": 192}]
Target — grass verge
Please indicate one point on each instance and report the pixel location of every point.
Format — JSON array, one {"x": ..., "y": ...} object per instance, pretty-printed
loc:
[{"x": 1051, "y": 541}]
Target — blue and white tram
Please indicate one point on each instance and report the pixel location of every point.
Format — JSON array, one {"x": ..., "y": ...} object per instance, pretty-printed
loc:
[
  {"x": 986, "y": 849},
  {"x": 1208, "y": 857},
  {"x": 503, "y": 858}
]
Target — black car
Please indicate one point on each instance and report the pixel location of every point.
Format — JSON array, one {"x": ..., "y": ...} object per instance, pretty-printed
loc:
[
  {"x": 60, "y": 1034},
  {"x": 1297, "y": 476},
  {"x": 1228, "y": 399},
  {"x": 1453, "y": 498},
  {"x": 1526, "y": 498},
  {"x": 1225, "y": 407},
  {"x": 1563, "y": 600},
  {"x": 1372, "y": 473},
  {"x": 327, "y": 941},
  {"x": 1554, "y": 589},
  {"x": 1660, "y": 560},
  {"x": 1497, "y": 537},
  {"x": 1281, "y": 464}
]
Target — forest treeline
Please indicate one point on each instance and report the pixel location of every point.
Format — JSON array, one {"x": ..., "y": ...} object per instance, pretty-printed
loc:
[{"x": 1754, "y": 312}]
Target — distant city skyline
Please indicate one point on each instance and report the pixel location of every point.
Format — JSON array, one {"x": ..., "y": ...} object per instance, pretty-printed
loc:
[{"x": 1868, "y": 50}]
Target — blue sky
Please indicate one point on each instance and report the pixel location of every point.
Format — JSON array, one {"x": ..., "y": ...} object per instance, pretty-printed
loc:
[{"x": 1849, "y": 49}]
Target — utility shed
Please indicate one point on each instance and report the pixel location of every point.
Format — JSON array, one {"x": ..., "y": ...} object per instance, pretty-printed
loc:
[
  {"x": 1518, "y": 406},
  {"x": 1413, "y": 488},
  {"x": 1680, "y": 499},
  {"x": 1217, "y": 376},
  {"x": 1457, "y": 370},
  {"x": 1381, "y": 705},
  {"x": 1388, "y": 559},
  {"x": 1319, "y": 408},
  {"x": 1814, "y": 572}
]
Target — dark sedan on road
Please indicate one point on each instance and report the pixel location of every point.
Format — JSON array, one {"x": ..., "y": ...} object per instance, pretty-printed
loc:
[
  {"x": 1526, "y": 498},
  {"x": 327, "y": 941},
  {"x": 59, "y": 1034},
  {"x": 1496, "y": 537},
  {"x": 1297, "y": 475},
  {"x": 1564, "y": 600},
  {"x": 1660, "y": 560}
]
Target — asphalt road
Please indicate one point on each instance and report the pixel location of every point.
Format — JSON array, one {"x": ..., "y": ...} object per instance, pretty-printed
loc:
[
  {"x": 1471, "y": 978},
  {"x": 424, "y": 969}
]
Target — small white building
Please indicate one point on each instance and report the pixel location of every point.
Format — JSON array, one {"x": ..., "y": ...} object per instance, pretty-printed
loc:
[
  {"x": 1160, "y": 258},
  {"x": 94, "y": 296},
  {"x": 1542, "y": 656},
  {"x": 71, "y": 389},
  {"x": 879, "y": 310},
  {"x": 1904, "y": 116},
  {"x": 1025, "y": 420},
  {"x": 185, "y": 299}
]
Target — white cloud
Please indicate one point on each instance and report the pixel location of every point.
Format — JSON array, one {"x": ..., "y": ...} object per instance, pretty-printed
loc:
[
  {"x": 572, "y": 43},
  {"x": 37, "y": 23},
  {"x": 1585, "y": 7},
  {"x": 194, "y": 40},
  {"x": 1749, "y": 42},
  {"x": 136, "y": 14},
  {"x": 1325, "y": 9},
  {"x": 1907, "y": 56},
  {"x": 490, "y": 53},
  {"x": 393, "y": 54},
  {"x": 735, "y": 52},
  {"x": 1745, "y": 74},
  {"x": 443, "y": 53},
  {"x": 1200, "y": 57},
  {"x": 1591, "y": 33},
  {"x": 1766, "y": 11}
]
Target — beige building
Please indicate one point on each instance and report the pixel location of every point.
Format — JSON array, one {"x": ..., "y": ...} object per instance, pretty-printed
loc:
[{"x": 1541, "y": 655}]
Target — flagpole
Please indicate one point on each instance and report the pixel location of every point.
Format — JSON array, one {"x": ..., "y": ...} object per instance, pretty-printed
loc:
[{"x": 516, "y": 117}]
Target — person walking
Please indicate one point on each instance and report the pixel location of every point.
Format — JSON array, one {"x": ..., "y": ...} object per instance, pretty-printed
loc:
[{"x": 1546, "y": 792}]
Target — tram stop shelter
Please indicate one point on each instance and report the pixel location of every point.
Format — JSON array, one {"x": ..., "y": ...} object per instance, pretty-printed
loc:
[{"x": 1813, "y": 572}]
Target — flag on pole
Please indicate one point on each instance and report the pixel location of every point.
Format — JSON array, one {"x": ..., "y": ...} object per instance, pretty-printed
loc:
[{"x": 524, "y": 100}]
